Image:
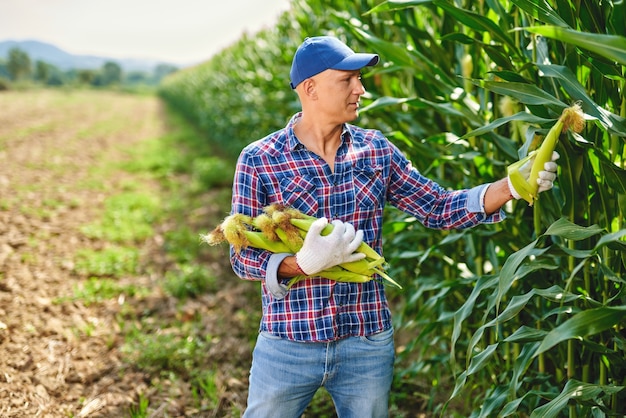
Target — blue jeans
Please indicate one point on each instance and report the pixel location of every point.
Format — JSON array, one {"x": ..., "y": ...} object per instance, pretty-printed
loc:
[{"x": 356, "y": 371}]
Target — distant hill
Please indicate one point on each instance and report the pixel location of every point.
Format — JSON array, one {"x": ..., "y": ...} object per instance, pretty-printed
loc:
[{"x": 63, "y": 60}]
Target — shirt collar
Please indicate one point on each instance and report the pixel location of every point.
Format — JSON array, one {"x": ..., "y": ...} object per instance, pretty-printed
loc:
[{"x": 292, "y": 141}]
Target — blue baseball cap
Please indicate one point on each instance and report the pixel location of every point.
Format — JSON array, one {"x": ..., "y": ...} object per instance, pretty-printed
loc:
[{"x": 321, "y": 53}]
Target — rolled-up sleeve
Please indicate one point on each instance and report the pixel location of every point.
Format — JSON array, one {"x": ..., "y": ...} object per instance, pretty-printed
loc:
[{"x": 433, "y": 205}]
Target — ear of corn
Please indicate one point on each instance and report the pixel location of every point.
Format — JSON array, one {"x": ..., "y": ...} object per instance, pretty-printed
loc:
[
  {"x": 305, "y": 223},
  {"x": 519, "y": 182},
  {"x": 282, "y": 229},
  {"x": 571, "y": 118}
]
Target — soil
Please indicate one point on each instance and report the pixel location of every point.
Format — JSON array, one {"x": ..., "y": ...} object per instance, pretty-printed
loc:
[{"x": 60, "y": 356}]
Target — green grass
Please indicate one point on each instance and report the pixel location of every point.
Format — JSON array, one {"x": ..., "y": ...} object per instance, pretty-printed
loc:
[
  {"x": 96, "y": 290},
  {"x": 128, "y": 218},
  {"x": 189, "y": 280},
  {"x": 209, "y": 172},
  {"x": 140, "y": 410},
  {"x": 182, "y": 244},
  {"x": 161, "y": 351},
  {"x": 205, "y": 388},
  {"x": 114, "y": 261}
]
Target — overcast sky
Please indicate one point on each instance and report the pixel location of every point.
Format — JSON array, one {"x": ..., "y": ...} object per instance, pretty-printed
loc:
[{"x": 177, "y": 31}]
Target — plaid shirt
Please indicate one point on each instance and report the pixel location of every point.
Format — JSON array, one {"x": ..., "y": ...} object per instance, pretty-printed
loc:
[{"x": 369, "y": 172}]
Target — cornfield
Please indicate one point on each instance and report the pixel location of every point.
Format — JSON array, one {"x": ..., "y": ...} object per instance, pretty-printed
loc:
[{"x": 523, "y": 318}]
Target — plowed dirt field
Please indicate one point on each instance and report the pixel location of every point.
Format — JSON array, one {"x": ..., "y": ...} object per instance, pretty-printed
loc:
[{"x": 62, "y": 357}]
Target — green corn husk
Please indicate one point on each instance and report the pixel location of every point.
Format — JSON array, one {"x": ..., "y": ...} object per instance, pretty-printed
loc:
[
  {"x": 281, "y": 229},
  {"x": 571, "y": 118}
]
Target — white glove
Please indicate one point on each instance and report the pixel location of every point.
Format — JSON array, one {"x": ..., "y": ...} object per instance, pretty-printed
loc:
[
  {"x": 546, "y": 176},
  {"x": 320, "y": 252}
]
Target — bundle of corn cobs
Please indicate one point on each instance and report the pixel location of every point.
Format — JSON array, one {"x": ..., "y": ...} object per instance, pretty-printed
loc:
[{"x": 281, "y": 229}]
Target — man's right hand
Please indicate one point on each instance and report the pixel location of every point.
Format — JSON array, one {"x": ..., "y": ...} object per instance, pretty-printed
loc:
[{"x": 320, "y": 252}]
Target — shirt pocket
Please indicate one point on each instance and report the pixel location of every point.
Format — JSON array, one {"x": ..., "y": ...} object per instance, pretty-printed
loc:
[
  {"x": 299, "y": 193},
  {"x": 369, "y": 187}
]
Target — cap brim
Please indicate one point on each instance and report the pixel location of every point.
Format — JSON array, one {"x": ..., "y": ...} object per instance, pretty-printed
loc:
[{"x": 356, "y": 62}]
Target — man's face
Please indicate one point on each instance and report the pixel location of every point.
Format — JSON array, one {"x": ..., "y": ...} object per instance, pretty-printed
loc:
[{"x": 338, "y": 94}]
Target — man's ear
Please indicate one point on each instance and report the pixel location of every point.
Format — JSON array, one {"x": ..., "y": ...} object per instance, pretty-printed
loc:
[{"x": 309, "y": 88}]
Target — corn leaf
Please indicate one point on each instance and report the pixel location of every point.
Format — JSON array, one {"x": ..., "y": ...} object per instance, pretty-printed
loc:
[
  {"x": 449, "y": 109},
  {"x": 568, "y": 230},
  {"x": 386, "y": 101},
  {"x": 525, "y": 334},
  {"x": 573, "y": 390},
  {"x": 525, "y": 93},
  {"x": 569, "y": 178},
  {"x": 459, "y": 384},
  {"x": 567, "y": 79},
  {"x": 510, "y": 270},
  {"x": 541, "y": 10},
  {"x": 522, "y": 363},
  {"x": 514, "y": 307},
  {"x": 484, "y": 282},
  {"x": 612, "y": 47},
  {"x": 478, "y": 23},
  {"x": 614, "y": 176},
  {"x": 611, "y": 274},
  {"x": 391, "y": 51},
  {"x": 443, "y": 108},
  {"x": 615, "y": 238},
  {"x": 498, "y": 397},
  {"x": 408, "y": 59},
  {"x": 557, "y": 294},
  {"x": 390, "y": 5},
  {"x": 511, "y": 407},
  {"x": 479, "y": 360},
  {"x": 521, "y": 116},
  {"x": 512, "y": 310},
  {"x": 583, "y": 324}
]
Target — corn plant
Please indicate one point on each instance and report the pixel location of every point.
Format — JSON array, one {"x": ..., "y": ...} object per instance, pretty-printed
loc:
[
  {"x": 537, "y": 316},
  {"x": 526, "y": 316}
]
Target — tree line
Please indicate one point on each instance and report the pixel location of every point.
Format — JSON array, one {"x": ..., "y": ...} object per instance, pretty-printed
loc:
[{"x": 20, "y": 68}]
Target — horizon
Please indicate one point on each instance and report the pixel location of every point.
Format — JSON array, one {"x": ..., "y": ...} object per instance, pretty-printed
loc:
[
  {"x": 179, "y": 32},
  {"x": 128, "y": 58}
]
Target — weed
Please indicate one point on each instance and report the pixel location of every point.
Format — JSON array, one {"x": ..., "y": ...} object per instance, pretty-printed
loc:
[
  {"x": 182, "y": 244},
  {"x": 53, "y": 203},
  {"x": 96, "y": 290},
  {"x": 163, "y": 351},
  {"x": 87, "y": 330},
  {"x": 114, "y": 261},
  {"x": 139, "y": 410},
  {"x": 128, "y": 218},
  {"x": 5, "y": 204},
  {"x": 148, "y": 157},
  {"x": 206, "y": 389},
  {"x": 211, "y": 172},
  {"x": 189, "y": 280}
]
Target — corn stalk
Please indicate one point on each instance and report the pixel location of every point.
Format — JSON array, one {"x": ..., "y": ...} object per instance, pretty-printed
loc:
[{"x": 467, "y": 88}]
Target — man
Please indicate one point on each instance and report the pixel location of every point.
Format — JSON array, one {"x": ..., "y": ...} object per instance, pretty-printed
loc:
[{"x": 322, "y": 332}]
